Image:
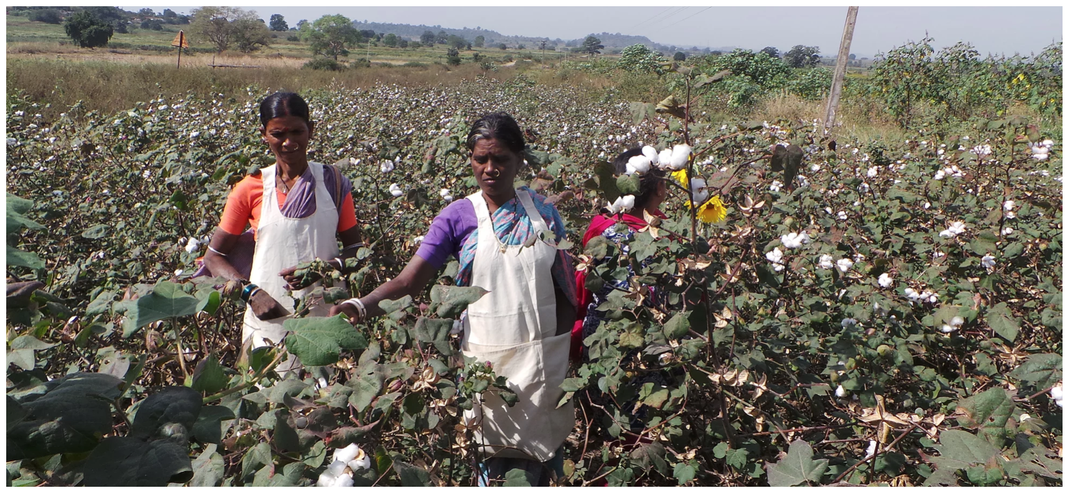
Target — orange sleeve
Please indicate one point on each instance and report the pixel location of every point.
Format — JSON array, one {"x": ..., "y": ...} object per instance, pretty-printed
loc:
[
  {"x": 243, "y": 206},
  {"x": 347, "y": 217}
]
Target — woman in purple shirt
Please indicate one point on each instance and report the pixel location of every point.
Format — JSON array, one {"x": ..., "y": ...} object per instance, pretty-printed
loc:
[{"x": 522, "y": 325}]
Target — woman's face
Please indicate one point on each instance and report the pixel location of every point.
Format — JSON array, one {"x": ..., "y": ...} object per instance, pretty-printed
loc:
[
  {"x": 288, "y": 137},
  {"x": 495, "y": 167}
]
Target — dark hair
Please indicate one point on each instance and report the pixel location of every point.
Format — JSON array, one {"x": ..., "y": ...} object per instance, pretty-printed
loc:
[
  {"x": 282, "y": 104},
  {"x": 499, "y": 126},
  {"x": 648, "y": 182}
]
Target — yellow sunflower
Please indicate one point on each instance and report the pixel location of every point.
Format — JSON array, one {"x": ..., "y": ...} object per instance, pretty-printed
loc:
[
  {"x": 712, "y": 210},
  {"x": 680, "y": 176}
]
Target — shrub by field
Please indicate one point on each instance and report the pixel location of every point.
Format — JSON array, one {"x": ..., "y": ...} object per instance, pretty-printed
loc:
[{"x": 884, "y": 312}]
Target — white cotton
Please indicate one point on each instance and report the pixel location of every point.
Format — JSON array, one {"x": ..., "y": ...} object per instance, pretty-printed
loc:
[
  {"x": 1008, "y": 205},
  {"x": 417, "y": 240},
  {"x": 1023, "y": 417},
  {"x": 1008, "y": 230},
  {"x": 844, "y": 264},
  {"x": 395, "y": 190},
  {"x": 947, "y": 233},
  {"x": 179, "y": 272},
  {"x": 939, "y": 175},
  {"x": 326, "y": 480},
  {"x": 637, "y": 164},
  {"x": 347, "y": 454},
  {"x": 698, "y": 190},
  {"x": 825, "y": 262},
  {"x": 665, "y": 159},
  {"x": 680, "y": 153},
  {"x": 885, "y": 280},
  {"x": 344, "y": 481},
  {"x": 336, "y": 468},
  {"x": 842, "y": 216},
  {"x": 1057, "y": 394},
  {"x": 193, "y": 245},
  {"x": 988, "y": 261},
  {"x": 848, "y": 322},
  {"x": 871, "y": 450},
  {"x": 386, "y": 166},
  {"x": 775, "y": 186},
  {"x": 871, "y": 172},
  {"x": 957, "y": 227},
  {"x": 775, "y": 256},
  {"x": 651, "y": 154},
  {"x": 444, "y": 192},
  {"x": 956, "y": 321},
  {"x": 840, "y": 392},
  {"x": 361, "y": 463},
  {"x": 795, "y": 240}
]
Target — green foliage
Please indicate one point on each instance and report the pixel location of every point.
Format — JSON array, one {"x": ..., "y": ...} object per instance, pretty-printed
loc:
[
  {"x": 324, "y": 64},
  {"x": 800, "y": 56},
  {"x": 591, "y": 46},
  {"x": 639, "y": 58},
  {"x": 48, "y": 16},
  {"x": 331, "y": 36},
  {"x": 767, "y": 375},
  {"x": 87, "y": 30}
]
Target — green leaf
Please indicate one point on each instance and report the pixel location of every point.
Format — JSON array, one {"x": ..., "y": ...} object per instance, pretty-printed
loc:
[
  {"x": 365, "y": 388},
  {"x": 434, "y": 331},
  {"x": 209, "y": 301},
  {"x": 651, "y": 455},
  {"x": 126, "y": 461},
  {"x": 518, "y": 477},
  {"x": 988, "y": 411},
  {"x": 208, "y": 376},
  {"x": 20, "y": 351},
  {"x": 411, "y": 475},
  {"x": 96, "y": 231},
  {"x": 167, "y": 300},
  {"x": 391, "y": 306},
  {"x": 19, "y": 258},
  {"x": 452, "y": 300},
  {"x": 271, "y": 476},
  {"x": 631, "y": 339},
  {"x": 628, "y": 184},
  {"x": 170, "y": 406},
  {"x": 1040, "y": 370},
  {"x": 684, "y": 473},
  {"x": 736, "y": 458},
  {"x": 255, "y": 458},
  {"x": 678, "y": 325},
  {"x": 70, "y": 417},
  {"x": 318, "y": 341},
  {"x": 1003, "y": 322},
  {"x": 208, "y": 468},
  {"x": 797, "y": 467},
  {"x": 209, "y": 427},
  {"x": 962, "y": 448}
]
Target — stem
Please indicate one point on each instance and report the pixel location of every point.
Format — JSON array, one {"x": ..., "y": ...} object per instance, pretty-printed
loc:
[
  {"x": 260, "y": 374},
  {"x": 181, "y": 353}
]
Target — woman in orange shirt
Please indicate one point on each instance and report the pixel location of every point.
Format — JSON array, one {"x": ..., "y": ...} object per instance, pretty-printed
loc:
[{"x": 296, "y": 211}]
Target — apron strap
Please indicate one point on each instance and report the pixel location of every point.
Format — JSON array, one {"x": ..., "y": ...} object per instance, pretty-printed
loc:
[{"x": 537, "y": 221}]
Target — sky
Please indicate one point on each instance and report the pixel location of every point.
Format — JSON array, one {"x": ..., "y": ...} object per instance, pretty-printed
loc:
[{"x": 990, "y": 29}]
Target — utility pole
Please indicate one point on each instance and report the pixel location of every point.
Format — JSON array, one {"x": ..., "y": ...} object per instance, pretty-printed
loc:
[{"x": 841, "y": 66}]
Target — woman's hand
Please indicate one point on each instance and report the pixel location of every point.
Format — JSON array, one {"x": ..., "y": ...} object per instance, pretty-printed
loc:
[
  {"x": 348, "y": 310},
  {"x": 265, "y": 307},
  {"x": 298, "y": 280}
]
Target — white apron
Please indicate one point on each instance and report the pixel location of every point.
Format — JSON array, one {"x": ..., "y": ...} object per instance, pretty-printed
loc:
[
  {"x": 283, "y": 242},
  {"x": 513, "y": 327}
]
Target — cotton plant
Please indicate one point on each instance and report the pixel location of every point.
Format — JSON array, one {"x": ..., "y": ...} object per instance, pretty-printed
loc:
[
  {"x": 1041, "y": 150},
  {"x": 386, "y": 166},
  {"x": 956, "y": 228},
  {"x": 622, "y": 204},
  {"x": 445, "y": 194},
  {"x": 775, "y": 256},
  {"x": 395, "y": 190},
  {"x": 347, "y": 462},
  {"x": 925, "y": 296},
  {"x": 885, "y": 281},
  {"x": 795, "y": 240},
  {"x": 952, "y": 325}
]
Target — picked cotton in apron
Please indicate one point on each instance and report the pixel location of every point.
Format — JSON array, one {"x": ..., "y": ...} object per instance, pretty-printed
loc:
[
  {"x": 513, "y": 328},
  {"x": 283, "y": 242}
]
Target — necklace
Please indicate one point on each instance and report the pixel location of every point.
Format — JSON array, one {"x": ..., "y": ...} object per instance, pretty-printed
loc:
[{"x": 281, "y": 183}]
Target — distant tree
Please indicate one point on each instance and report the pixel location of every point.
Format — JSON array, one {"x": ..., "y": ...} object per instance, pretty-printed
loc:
[
  {"x": 301, "y": 23},
  {"x": 331, "y": 35},
  {"x": 441, "y": 38},
  {"x": 111, "y": 15},
  {"x": 457, "y": 42},
  {"x": 591, "y": 45},
  {"x": 679, "y": 56},
  {"x": 216, "y": 24},
  {"x": 121, "y": 26},
  {"x": 801, "y": 56},
  {"x": 478, "y": 43},
  {"x": 520, "y": 46},
  {"x": 251, "y": 34},
  {"x": 367, "y": 33},
  {"x": 390, "y": 40},
  {"x": 851, "y": 56},
  {"x": 153, "y": 24},
  {"x": 48, "y": 16},
  {"x": 146, "y": 12},
  {"x": 415, "y": 44},
  {"x": 714, "y": 52},
  {"x": 453, "y": 57},
  {"x": 771, "y": 51},
  {"x": 403, "y": 43},
  {"x": 427, "y": 38},
  {"x": 87, "y": 30},
  {"x": 501, "y": 46},
  {"x": 278, "y": 23}
]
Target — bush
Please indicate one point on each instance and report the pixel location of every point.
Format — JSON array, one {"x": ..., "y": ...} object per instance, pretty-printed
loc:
[
  {"x": 639, "y": 58},
  {"x": 293, "y": 38},
  {"x": 48, "y": 16},
  {"x": 324, "y": 64},
  {"x": 153, "y": 24},
  {"x": 87, "y": 30},
  {"x": 812, "y": 84}
]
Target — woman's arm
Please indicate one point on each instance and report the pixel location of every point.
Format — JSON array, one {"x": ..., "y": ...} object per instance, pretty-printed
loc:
[
  {"x": 413, "y": 278},
  {"x": 216, "y": 261}
]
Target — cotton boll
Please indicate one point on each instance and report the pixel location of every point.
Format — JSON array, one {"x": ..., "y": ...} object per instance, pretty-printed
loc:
[
  {"x": 344, "y": 481},
  {"x": 825, "y": 262},
  {"x": 651, "y": 154},
  {"x": 988, "y": 261},
  {"x": 336, "y": 468},
  {"x": 325, "y": 480},
  {"x": 848, "y": 322},
  {"x": 871, "y": 450},
  {"x": 680, "y": 153},
  {"x": 637, "y": 164},
  {"x": 347, "y": 454},
  {"x": 840, "y": 392},
  {"x": 665, "y": 159},
  {"x": 884, "y": 280},
  {"x": 395, "y": 190},
  {"x": 193, "y": 245},
  {"x": 627, "y": 202},
  {"x": 795, "y": 240},
  {"x": 698, "y": 190},
  {"x": 844, "y": 264}
]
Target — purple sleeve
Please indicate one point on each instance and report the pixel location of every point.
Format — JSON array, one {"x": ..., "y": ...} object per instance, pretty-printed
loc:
[{"x": 448, "y": 230}]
